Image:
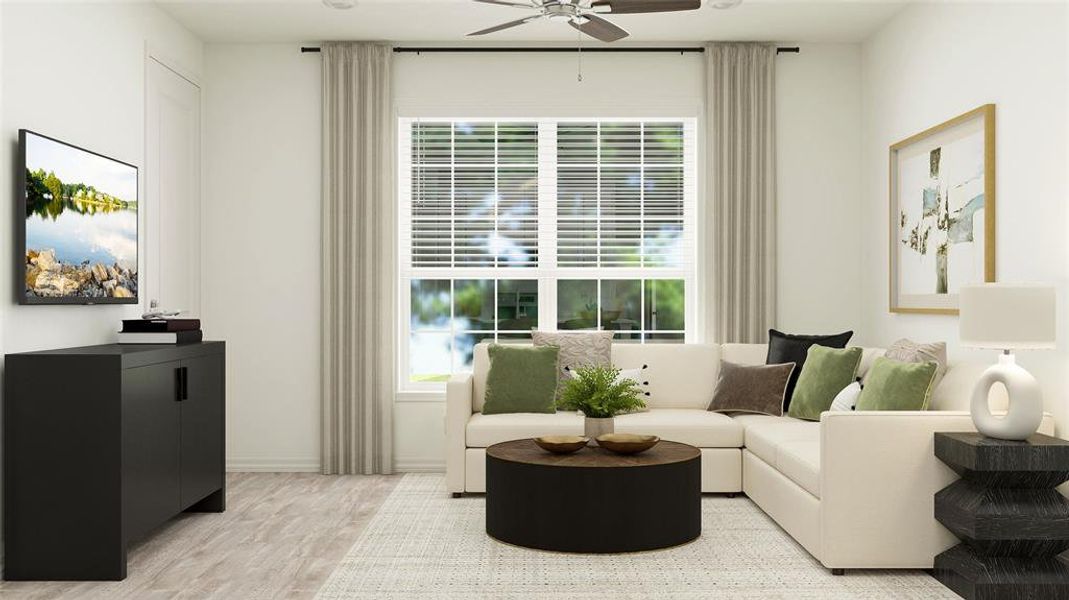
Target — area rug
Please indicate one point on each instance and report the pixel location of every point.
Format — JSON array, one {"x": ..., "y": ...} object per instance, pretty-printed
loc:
[{"x": 423, "y": 543}]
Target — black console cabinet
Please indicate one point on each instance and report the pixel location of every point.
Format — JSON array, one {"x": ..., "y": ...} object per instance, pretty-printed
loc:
[{"x": 102, "y": 444}]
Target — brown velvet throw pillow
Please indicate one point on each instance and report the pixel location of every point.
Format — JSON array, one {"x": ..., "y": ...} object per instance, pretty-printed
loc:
[{"x": 751, "y": 388}]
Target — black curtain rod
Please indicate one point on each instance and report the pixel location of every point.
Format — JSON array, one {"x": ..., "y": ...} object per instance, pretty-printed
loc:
[{"x": 419, "y": 50}]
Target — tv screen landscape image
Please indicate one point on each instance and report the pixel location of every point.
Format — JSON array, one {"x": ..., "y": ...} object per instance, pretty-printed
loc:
[{"x": 79, "y": 235}]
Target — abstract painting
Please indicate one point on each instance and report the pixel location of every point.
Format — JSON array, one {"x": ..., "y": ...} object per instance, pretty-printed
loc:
[{"x": 942, "y": 233}]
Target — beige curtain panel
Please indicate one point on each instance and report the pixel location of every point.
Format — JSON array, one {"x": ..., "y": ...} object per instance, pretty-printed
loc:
[
  {"x": 741, "y": 188},
  {"x": 359, "y": 257}
]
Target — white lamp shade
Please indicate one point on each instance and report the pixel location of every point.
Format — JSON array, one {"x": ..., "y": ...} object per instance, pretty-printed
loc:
[{"x": 1007, "y": 316}]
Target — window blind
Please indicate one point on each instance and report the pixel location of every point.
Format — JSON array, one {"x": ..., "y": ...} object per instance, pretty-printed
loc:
[
  {"x": 474, "y": 194},
  {"x": 614, "y": 194},
  {"x": 620, "y": 194}
]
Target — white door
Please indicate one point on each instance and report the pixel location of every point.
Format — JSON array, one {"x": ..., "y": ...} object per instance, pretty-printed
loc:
[{"x": 172, "y": 187}]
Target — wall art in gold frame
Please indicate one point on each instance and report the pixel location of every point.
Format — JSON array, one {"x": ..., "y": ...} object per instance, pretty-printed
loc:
[{"x": 942, "y": 217}]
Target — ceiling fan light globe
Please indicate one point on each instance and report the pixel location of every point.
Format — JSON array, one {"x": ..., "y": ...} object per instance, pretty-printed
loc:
[{"x": 726, "y": 4}]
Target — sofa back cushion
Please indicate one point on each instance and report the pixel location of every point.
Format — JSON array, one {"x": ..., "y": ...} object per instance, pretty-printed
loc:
[
  {"x": 744, "y": 354},
  {"x": 954, "y": 390},
  {"x": 680, "y": 375},
  {"x": 696, "y": 366}
]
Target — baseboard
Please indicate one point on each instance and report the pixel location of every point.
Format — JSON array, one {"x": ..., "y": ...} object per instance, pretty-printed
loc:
[
  {"x": 288, "y": 465},
  {"x": 272, "y": 465},
  {"x": 403, "y": 465}
]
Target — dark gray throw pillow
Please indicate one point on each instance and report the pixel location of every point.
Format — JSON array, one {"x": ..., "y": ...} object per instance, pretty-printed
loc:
[
  {"x": 758, "y": 389},
  {"x": 786, "y": 347}
]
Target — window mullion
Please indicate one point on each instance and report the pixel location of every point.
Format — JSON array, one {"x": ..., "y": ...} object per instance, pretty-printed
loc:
[
  {"x": 547, "y": 223},
  {"x": 597, "y": 203},
  {"x": 496, "y": 235},
  {"x": 690, "y": 220},
  {"x": 547, "y": 303},
  {"x": 452, "y": 195},
  {"x": 642, "y": 258}
]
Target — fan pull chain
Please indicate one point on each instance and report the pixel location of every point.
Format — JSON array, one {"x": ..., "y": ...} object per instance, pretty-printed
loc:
[{"x": 579, "y": 47}]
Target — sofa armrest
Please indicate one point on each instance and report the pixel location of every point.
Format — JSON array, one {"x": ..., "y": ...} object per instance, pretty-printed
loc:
[
  {"x": 878, "y": 478},
  {"x": 457, "y": 413}
]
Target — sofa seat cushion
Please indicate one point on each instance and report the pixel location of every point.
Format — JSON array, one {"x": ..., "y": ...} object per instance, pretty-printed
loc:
[
  {"x": 487, "y": 430},
  {"x": 747, "y": 419},
  {"x": 763, "y": 432},
  {"x": 699, "y": 428},
  {"x": 799, "y": 460},
  {"x": 791, "y": 446}
]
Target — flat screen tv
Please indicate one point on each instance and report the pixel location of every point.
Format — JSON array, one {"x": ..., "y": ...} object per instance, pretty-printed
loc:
[{"x": 76, "y": 225}]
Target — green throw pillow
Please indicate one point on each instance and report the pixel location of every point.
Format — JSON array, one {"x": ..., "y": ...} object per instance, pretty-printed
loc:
[
  {"x": 825, "y": 373},
  {"x": 522, "y": 379},
  {"x": 896, "y": 385}
]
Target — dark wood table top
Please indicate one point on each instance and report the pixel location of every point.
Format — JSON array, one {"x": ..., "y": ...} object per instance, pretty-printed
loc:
[
  {"x": 977, "y": 452},
  {"x": 527, "y": 452}
]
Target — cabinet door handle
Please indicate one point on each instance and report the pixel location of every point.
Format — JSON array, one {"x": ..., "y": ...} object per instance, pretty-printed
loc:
[
  {"x": 185, "y": 383},
  {"x": 179, "y": 384}
]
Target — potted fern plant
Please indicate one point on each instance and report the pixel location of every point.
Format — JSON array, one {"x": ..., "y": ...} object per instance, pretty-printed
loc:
[{"x": 600, "y": 394}]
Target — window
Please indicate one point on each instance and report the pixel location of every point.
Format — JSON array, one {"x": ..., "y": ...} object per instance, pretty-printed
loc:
[{"x": 551, "y": 223}]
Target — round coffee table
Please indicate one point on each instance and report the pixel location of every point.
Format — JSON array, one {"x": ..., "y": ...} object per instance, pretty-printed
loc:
[{"x": 593, "y": 500}]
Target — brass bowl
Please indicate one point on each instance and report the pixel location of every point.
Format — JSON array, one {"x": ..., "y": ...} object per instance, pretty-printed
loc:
[
  {"x": 627, "y": 443},
  {"x": 561, "y": 444}
]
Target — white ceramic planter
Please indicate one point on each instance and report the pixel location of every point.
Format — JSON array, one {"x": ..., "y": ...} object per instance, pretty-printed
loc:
[{"x": 592, "y": 428}]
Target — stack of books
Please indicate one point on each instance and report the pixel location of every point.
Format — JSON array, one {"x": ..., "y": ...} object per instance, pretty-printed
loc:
[{"x": 160, "y": 331}]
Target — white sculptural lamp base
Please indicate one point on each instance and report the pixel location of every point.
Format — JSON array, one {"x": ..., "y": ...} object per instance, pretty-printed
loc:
[{"x": 1025, "y": 410}]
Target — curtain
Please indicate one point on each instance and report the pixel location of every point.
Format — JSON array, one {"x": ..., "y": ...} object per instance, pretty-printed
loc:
[
  {"x": 358, "y": 259},
  {"x": 741, "y": 188}
]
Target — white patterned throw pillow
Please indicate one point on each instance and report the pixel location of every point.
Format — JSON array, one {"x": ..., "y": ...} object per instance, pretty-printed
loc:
[
  {"x": 917, "y": 352},
  {"x": 577, "y": 349},
  {"x": 846, "y": 399}
]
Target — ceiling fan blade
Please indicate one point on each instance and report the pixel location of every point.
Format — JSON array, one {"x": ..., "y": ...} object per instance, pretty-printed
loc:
[
  {"x": 599, "y": 28},
  {"x": 512, "y": 4},
  {"x": 623, "y": 7},
  {"x": 505, "y": 25}
]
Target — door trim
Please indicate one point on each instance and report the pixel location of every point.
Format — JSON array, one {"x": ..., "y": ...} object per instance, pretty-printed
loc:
[{"x": 153, "y": 55}]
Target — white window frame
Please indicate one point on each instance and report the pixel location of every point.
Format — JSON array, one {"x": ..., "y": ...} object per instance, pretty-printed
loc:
[{"x": 546, "y": 273}]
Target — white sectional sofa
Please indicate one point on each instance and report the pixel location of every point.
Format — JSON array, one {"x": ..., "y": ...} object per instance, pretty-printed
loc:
[{"x": 855, "y": 490}]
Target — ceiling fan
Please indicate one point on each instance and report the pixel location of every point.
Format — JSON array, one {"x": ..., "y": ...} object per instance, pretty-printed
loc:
[{"x": 583, "y": 14}]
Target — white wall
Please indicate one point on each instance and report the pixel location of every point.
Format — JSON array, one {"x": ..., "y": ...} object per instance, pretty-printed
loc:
[
  {"x": 262, "y": 147},
  {"x": 931, "y": 63},
  {"x": 83, "y": 82},
  {"x": 261, "y": 247},
  {"x": 818, "y": 180},
  {"x": 545, "y": 84},
  {"x": 77, "y": 73}
]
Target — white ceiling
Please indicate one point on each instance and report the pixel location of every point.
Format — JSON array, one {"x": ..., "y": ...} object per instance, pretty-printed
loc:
[{"x": 450, "y": 20}]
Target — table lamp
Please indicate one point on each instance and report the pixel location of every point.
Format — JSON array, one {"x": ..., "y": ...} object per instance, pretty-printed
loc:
[{"x": 1008, "y": 317}]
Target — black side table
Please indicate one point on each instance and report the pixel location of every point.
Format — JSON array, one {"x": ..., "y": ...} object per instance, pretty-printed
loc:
[{"x": 1006, "y": 511}]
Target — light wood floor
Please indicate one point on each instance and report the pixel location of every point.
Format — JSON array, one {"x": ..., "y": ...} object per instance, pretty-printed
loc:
[{"x": 280, "y": 537}]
